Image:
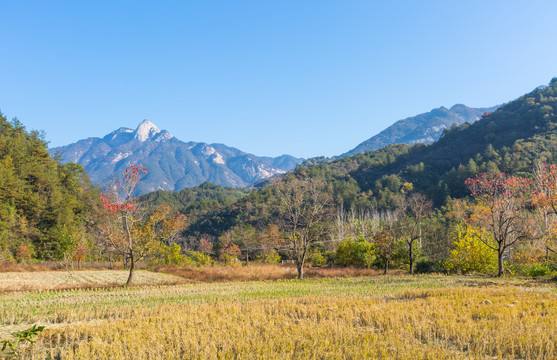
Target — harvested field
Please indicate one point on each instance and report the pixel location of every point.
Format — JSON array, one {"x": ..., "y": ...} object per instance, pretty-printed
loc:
[
  {"x": 400, "y": 317},
  {"x": 58, "y": 280}
]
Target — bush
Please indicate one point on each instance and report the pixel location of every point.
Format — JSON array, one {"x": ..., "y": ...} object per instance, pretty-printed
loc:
[
  {"x": 470, "y": 254},
  {"x": 200, "y": 259},
  {"x": 24, "y": 253},
  {"x": 425, "y": 267},
  {"x": 330, "y": 257},
  {"x": 316, "y": 258},
  {"x": 536, "y": 270},
  {"x": 228, "y": 259},
  {"x": 269, "y": 256},
  {"x": 170, "y": 255},
  {"x": 358, "y": 253}
]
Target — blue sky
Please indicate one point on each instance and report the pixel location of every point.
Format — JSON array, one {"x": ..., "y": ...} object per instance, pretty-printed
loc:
[{"x": 306, "y": 78}]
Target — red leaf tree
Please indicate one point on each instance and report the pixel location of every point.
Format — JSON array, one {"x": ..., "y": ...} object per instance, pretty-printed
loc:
[
  {"x": 501, "y": 202},
  {"x": 129, "y": 228}
]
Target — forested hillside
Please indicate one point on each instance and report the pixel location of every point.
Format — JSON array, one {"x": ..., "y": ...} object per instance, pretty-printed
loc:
[
  {"x": 46, "y": 207},
  {"x": 196, "y": 201},
  {"x": 510, "y": 140}
]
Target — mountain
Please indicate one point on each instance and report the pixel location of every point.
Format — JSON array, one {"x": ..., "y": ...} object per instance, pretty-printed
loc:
[
  {"x": 171, "y": 163},
  {"x": 511, "y": 139},
  {"x": 421, "y": 129}
]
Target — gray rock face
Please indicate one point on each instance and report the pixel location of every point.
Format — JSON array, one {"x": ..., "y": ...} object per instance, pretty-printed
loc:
[
  {"x": 423, "y": 128},
  {"x": 171, "y": 163}
]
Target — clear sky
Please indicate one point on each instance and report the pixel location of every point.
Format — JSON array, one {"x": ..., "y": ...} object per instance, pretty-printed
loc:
[{"x": 306, "y": 78}]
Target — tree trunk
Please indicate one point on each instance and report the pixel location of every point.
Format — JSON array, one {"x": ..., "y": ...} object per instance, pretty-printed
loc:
[
  {"x": 411, "y": 255},
  {"x": 500, "y": 263},
  {"x": 300, "y": 266},
  {"x": 386, "y": 267},
  {"x": 130, "y": 276}
]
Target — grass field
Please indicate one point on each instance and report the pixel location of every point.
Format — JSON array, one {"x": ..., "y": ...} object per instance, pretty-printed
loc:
[
  {"x": 402, "y": 317},
  {"x": 59, "y": 280}
]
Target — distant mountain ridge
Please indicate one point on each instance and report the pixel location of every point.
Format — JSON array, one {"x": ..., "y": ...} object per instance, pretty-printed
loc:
[
  {"x": 423, "y": 128},
  {"x": 172, "y": 164}
]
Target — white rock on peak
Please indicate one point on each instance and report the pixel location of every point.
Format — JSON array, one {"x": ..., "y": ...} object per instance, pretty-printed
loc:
[{"x": 146, "y": 130}]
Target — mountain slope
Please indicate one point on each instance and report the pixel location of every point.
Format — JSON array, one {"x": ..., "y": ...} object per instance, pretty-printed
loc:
[
  {"x": 172, "y": 164},
  {"x": 511, "y": 139},
  {"x": 423, "y": 128}
]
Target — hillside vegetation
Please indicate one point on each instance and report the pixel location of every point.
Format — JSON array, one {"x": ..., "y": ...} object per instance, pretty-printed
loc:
[{"x": 46, "y": 207}]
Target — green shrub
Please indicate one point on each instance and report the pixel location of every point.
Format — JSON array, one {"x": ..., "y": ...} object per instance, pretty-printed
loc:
[
  {"x": 200, "y": 259},
  {"x": 330, "y": 257},
  {"x": 425, "y": 267},
  {"x": 536, "y": 270},
  {"x": 170, "y": 255},
  {"x": 269, "y": 256},
  {"x": 358, "y": 253},
  {"x": 316, "y": 258}
]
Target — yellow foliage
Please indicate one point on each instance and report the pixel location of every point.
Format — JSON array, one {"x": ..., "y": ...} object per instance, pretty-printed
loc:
[{"x": 470, "y": 253}]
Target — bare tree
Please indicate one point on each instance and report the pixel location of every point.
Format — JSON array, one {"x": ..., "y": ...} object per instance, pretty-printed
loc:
[
  {"x": 412, "y": 210},
  {"x": 304, "y": 204}
]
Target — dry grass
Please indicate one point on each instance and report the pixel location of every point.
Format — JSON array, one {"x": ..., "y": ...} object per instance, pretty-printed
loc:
[
  {"x": 62, "y": 266},
  {"x": 400, "y": 317},
  {"x": 60, "y": 280},
  {"x": 251, "y": 272}
]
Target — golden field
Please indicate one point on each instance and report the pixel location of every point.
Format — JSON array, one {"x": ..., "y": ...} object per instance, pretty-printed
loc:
[
  {"x": 60, "y": 280},
  {"x": 400, "y": 317}
]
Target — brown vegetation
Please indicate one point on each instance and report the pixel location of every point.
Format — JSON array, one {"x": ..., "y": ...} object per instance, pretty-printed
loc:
[{"x": 219, "y": 273}]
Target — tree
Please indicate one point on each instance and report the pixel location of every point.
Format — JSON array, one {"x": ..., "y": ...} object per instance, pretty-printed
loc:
[
  {"x": 501, "y": 210},
  {"x": 545, "y": 200},
  {"x": 304, "y": 204},
  {"x": 413, "y": 210},
  {"x": 129, "y": 229},
  {"x": 386, "y": 246}
]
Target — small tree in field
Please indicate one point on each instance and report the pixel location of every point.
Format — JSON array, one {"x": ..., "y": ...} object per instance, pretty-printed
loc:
[
  {"x": 386, "y": 245},
  {"x": 413, "y": 210},
  {"x": 129, "y": 229},
  {"x": 304, "y": 204},
  {"x": 501, "y": 210}
]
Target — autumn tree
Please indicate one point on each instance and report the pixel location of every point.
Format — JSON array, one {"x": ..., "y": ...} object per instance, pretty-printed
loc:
[
  {"x": 500, "y": 209},
  {"x": 545, "y": 201},
  {"x": 386, "y": 246},
  {"x": 412, "y": 210},
  {"x": 304, "y": 205},
  {"x": 129, "y": 229}
]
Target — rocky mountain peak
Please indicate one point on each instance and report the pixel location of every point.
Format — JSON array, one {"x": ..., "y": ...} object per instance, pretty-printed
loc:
[{"x": 146, "y": 130}]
